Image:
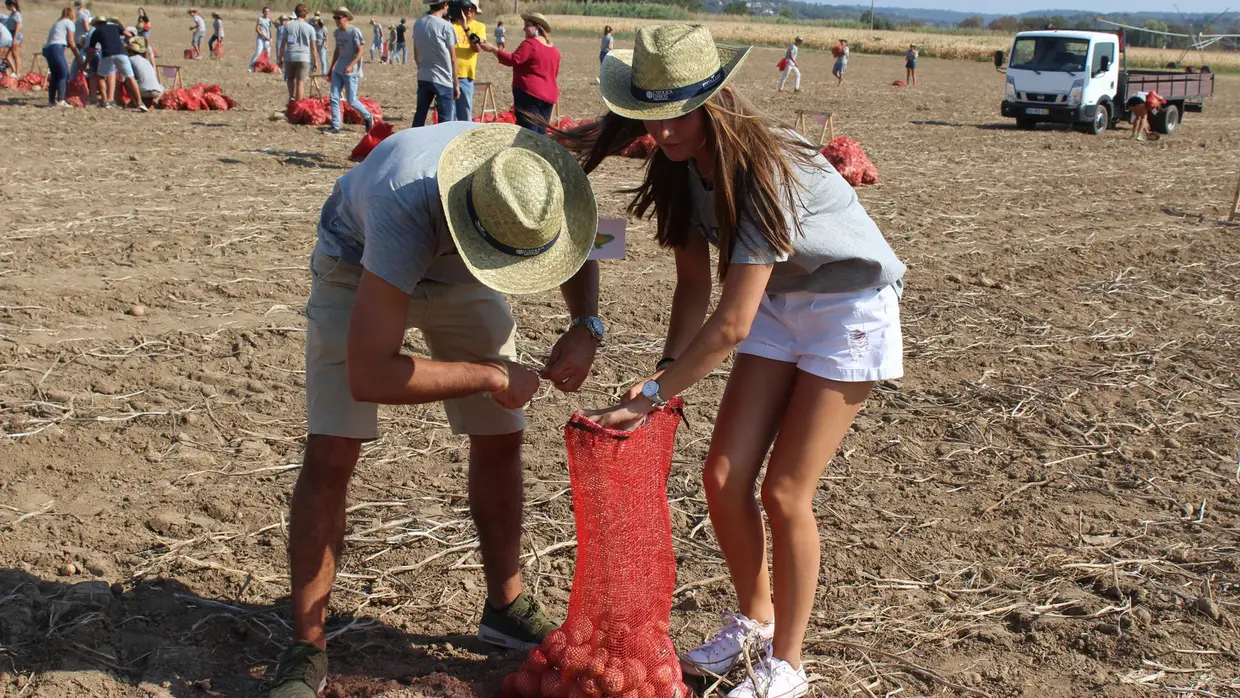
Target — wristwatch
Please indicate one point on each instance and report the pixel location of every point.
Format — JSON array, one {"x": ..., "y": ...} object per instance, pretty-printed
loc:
[
  {"x": 650, "y": 391},
  {"x": 593, "y": 324}
]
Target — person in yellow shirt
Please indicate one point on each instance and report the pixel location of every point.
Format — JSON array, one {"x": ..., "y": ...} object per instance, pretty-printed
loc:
[{"x": 469, "y": 33}]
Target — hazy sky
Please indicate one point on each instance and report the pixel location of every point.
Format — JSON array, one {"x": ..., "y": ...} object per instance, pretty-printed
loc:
[{"x": 1017, "y": 6}]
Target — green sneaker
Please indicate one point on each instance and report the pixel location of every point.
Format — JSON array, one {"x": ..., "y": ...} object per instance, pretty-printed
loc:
[
  {"x": 521, "y": 626},
  {"x": 301, "y": 673}
]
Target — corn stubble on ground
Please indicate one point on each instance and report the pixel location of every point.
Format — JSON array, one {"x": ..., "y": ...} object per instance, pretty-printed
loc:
[{"x": 1046, "y": 505}]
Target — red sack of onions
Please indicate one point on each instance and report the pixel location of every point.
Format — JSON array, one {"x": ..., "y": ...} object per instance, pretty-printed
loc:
[
  {"x": 615, "y": 642},
  {"x": 310, "y": 111},
  {"x": 851, "y": 162},
  {"x": 641, "y": 148},
  {"x": 8, "y": 82},
  {"x": 32, "y": 81},
  {"x": 373, "y": 137},
  {"x": 214, "y": 101},
  {"x": 264, "y": 65},
  {"x": 79, "y": 89}
]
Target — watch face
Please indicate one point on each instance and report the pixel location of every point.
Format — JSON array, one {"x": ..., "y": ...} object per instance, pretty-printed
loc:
[
  {"x": 595, "y": 326},
  {"x": 651, "y": 389}
]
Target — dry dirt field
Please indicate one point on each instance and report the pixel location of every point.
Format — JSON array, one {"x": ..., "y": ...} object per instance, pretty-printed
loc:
[{"x": 1047, "y": 504}]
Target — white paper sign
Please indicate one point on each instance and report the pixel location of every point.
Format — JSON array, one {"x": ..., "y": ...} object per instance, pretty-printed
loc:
[{"x": 609, "y": 242}]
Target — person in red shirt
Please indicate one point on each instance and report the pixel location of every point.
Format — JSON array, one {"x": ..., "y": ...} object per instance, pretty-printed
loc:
[{"x": 535, "y": 73}]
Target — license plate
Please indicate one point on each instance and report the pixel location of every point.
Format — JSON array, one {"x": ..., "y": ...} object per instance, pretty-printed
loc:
[{"x": 1039, "y": 112}]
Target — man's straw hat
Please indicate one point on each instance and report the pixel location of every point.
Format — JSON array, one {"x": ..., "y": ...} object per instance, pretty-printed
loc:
[
  {"x": 136, "y": 44},
  {"x": 673, "y": 69},
  {"x": 342, "y": 12},
  {"x": 518, "y": 206}
]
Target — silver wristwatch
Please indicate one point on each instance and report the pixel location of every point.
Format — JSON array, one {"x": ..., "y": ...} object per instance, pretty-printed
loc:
[
  {"x": 650, "y": 391},
  {"x": 593, "y": 324}
]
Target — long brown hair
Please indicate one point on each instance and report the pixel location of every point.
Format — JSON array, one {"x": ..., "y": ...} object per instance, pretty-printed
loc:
[
  {"x": 66, "y": 13},
  {"x": 754, "y": 177}
]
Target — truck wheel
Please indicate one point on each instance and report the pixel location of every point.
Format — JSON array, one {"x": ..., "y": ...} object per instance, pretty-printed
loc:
[
  {"x": 1101, "y": 122},
  {"x": 1026, "y": 124},
  {"x": 1166, "y": 120}
]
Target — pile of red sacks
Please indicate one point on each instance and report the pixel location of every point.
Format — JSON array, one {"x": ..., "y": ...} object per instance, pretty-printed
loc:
[
  {"x": 26, "y": 83},
  {"x": 200, "y": 97},
  {"x": 8, "y": 82},
  {"x": 851, "y": 162},
  {"x": 264, "y": 65},
  {"x": 316, "y": 111}
]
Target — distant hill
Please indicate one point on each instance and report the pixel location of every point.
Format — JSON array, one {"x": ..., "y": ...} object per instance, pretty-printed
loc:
[{"x": 951, "y": 18}]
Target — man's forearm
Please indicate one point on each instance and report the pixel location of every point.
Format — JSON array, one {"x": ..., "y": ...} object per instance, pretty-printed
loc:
[
  {"x": 581, "y": 292},
  {"x": 408, "y": 380}
]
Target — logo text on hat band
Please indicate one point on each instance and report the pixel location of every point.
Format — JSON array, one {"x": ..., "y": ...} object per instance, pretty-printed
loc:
[
  {"x": 490, "y": 239},
  {"x": 678, "y": 94}
]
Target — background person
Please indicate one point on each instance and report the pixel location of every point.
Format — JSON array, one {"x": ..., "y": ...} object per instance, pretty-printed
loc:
[
  {"x": 434, "y": 50},
  {"x": 281, "y": 22},
  {"x": 14, "y": 24},
  {"x": 114, "y": 63},
  {"x": 840, "y": 51},
  {"x": 346, "y": 68},
  {"x": 501, "y": 35},
  {"x": 535, "y": 73},
  {"x": 6, "y": 49},
  {"x": 297, "y": 53},
  {"x": 320, "y": 42},
  {"x": 144, "y": 71},
  {"x": 469, "y": 33},
  {"x": 143, "y": 24},
  {"x": 215, "y": 45},
  {"x": 59, "y": 39},
  {"x": 402, "y": 46},
  {"x": 376, "y": 44},
  {"x": 910, "y": 66},
  {"x": 199, "y": 29},
  {"x": 1140, "y": 106},
  {"x": 809, "y": 302},
  {"x": 792, "y": 68},
  {"x": 262, "y": 37}
]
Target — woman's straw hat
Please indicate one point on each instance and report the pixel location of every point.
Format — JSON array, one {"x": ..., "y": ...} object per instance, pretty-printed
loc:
[
  {"x": 539, "y": 19},
  {"x": 673, "y": 69},
  {"x": 519, "y": 207}
]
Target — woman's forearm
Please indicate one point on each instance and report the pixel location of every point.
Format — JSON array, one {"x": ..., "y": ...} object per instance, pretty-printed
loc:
[{"x": 689, "y": 306}]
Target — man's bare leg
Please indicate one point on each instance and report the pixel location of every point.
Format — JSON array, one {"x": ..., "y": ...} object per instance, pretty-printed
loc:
[{"x": 496, "y": 494}]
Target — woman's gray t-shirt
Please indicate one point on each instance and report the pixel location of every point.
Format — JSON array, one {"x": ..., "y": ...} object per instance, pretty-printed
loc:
[{"x": 840, "y": 249}]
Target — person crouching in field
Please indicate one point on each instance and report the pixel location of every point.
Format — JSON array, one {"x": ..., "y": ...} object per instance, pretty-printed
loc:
[
  {"x": 810, "y": 303},
  {"x": 840, "y": 51},
  {"x": 790, "y": 67},
  {"x": 144, "y": 71},
  {"x": 1140, "y": 106},
  {"x": 431, "y": 231},
  {"x": 297, "y": 53}
]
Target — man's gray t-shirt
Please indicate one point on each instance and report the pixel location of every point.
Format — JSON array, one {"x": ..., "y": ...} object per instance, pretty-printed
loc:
[
  {"x": 839, "y": 249},
  {"x": 200, "y": 25},
  {"x": 348, "y": 46},
  {"x": 298, "y": 41},
  {"x": 144, "y": 73},
  {"x": 791, "y": 53},
  {"x": 434, "y": 40},
  {"x": 386, "y": 216}
]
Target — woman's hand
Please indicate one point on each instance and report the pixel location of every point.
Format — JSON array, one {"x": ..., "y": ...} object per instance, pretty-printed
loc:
[
  {"x": 486, "y": 47},
  {"x": 626, "y": 416},
  {"x": 636, "y": 391}
]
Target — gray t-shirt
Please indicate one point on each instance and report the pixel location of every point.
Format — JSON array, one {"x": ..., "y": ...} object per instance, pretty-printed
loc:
[
  {"x": 386, "y": 216},
  {"x": 200, "y": 25},
  {"x": 840, "y": 248},
  {"x": 82, "y": 26},
  {"x": 218, "y": 26},
  {"x": 791, "y": 53},
  {"x": 264, "y": 24},
  {"x": 298, "y": 41},
  {"x": 434, "y": 40},
  {"x": 144, "y": 73},
  {"x": 348, "y": 45},
  {"x": 59, "y": 35},
  {"x": 608, "y": 42}
]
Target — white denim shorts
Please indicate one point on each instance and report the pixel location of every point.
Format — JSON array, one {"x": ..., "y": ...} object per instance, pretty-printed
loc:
[{"x": 849, "y": 337}]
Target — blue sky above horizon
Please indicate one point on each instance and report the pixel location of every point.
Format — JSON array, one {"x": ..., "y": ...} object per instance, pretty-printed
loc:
[{"x": 1019, "y": 6}]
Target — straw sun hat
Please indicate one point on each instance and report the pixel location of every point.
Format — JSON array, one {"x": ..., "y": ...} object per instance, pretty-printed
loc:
[
  {"x": 342, "y": 12},
  {"x": 518, "y": 206},
  {"x": 673, "y": 69},
  {"x": 538, "y": 19}
]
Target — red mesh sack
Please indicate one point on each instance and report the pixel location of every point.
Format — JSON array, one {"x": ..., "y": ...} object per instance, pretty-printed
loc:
[
  {"x": 172, "y": 99},
  {"x": 373, "y": 137},
  {"x": 641, "y": 148},
  {"x": 232, "y": 103},
  {"x": 352, "y": 116},
  {"x": 310, "y": 111},
  {"x": 214, "y": 101},
  {"x": 615, "y": 642},
  {"x": 212, "y": 89},
  {"x": 8, "y": 82},
  {"x": 264, "y": 65},
  {"x": 899, "y": 83},
  {"x": 1154, "y": 101},
  {"x": 31, "y": 81},
  {"x": 75, "y": 102},
  {"x": 189, "y": 54},
  {"x": 851, "y": 162},
  {"x": 78, "y": 88},
  {"x": 194, "y": 101},
  {"x": 782, "y": 65}
]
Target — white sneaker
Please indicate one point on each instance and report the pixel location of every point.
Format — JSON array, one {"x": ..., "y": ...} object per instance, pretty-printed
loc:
[
  {"x": 773, "y": 678},
  {"x": 724, "y": 650},
  {"x": 142, "y": 107}
]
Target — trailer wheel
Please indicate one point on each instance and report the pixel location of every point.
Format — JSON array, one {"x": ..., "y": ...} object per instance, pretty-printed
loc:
[
  {"x": 1101, "y": 122},
  {"x": 1026, "y": 124},
  {"x": 1166, "y": 119}
]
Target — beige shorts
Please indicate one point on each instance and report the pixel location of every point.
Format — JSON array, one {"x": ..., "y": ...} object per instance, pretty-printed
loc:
[
  {"x": 459, "y": 323},
  {"x": 297, "y": 70}
]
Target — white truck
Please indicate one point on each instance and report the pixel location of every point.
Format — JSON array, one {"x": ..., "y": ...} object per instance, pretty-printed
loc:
[{"x": 1081, "y": 78}]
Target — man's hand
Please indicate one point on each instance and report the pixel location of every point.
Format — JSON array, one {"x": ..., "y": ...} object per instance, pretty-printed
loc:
[
  {"x": 571, "y": 359},
  {"x": 456, "y": 90},
  {"x": 520, "y": 384}
]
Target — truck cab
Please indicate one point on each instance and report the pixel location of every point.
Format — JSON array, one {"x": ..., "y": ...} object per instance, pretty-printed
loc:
[{"x": 1067, "y": 77}]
